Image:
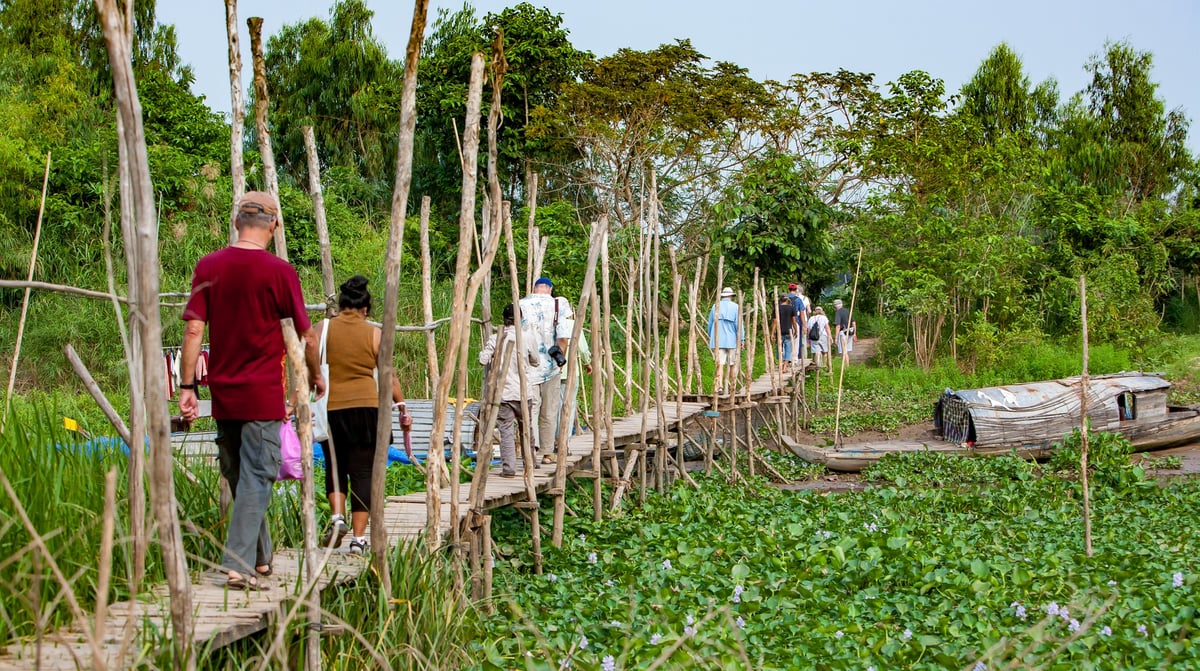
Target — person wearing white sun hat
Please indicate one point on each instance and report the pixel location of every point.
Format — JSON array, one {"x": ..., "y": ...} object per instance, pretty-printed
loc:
[{"x": 725, "y": 337}]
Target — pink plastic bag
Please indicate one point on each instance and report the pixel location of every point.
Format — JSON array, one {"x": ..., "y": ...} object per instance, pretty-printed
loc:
[{"x": 289, "y": 445}]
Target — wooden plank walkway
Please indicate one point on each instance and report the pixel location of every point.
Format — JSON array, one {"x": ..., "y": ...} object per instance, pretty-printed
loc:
[{"x": 222, "y": 616}]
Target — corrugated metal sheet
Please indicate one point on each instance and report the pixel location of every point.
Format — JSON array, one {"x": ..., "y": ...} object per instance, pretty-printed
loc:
[{"x": 1037, "y": 413}]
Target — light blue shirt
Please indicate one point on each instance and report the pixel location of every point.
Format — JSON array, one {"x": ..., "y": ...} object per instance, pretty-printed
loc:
[{"x": 730, "y": 333}]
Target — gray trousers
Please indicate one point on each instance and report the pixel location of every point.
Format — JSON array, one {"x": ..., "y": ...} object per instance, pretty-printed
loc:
[
  {"x": 508, "y": 419},
  {"x": 249, "y": 454},
  {"x": 546, "y": 406}
]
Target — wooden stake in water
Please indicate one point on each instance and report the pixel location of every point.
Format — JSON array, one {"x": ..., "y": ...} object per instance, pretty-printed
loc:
[
  {"x": 1084, "y": 384},
  {"x": 37, "y": 236},
  {"x": 837, "y": 416}
]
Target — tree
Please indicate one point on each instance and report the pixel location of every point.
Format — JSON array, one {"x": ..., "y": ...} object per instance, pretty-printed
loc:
[
  {"x": 541, "y": 60},
  {"x": 335, "y": 76},
  {"x": 776, "y": 222}
]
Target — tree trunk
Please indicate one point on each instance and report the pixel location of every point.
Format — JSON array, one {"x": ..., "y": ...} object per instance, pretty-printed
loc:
[
  {"x": 427, "y": 296},
  {"x": 237, "y": 118},
  {"x": 387, "y": 343},
  {"x": 143, "y": 272},
  {"x": 263, "y": 129}
]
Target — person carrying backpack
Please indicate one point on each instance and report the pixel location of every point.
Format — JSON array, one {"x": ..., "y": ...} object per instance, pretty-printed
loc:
[{"x": 818, "y": 325}]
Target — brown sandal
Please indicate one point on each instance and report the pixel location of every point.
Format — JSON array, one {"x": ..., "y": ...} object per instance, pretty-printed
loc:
[
  {"x": 246, "y": 584},
  {"x": 548, "y": 459}
]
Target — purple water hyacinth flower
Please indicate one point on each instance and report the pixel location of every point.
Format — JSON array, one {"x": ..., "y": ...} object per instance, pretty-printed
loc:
[
  {"x": 737, "y": 594},
  {"x": 690, "y": 620},
  {"x": 583, "y": 642},
  {"x": 666, "y": 564},
  {"x": 608, "y": 664},
  {"x": 980, "y": 666},
  {"x": 1142, "y": 630},
  {"x": 1073, "y": 625},
  {"x": 1106, "y": 631},
  {"x": 741, "y": 624},
  {"x": 1112, "y": 583},
  {"x": 551, "y": 577},
  {"x": 655, "y": 639},
  {"x": 907, "y": 634},
  {"x": 838, "y": 634},
  {"x": 689, "y": 630},
  {"x": 592, "y": 558},
  {"x": 1177, "y": 580},
  {"x": 1064, "y": 613},
  {"x": 1052, "y": 609}
]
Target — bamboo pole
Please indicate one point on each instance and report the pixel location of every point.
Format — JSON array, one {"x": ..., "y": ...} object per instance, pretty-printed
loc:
[
  {"x": 599, "y": 231},
  {"x": 37, "y": 237},
  {"x": 263, "y": 129},
  {"x": 93, "y": 389},
  {"x": 528, "y": 458},
  {"x": 387, "y": 343},
  {"x": 318, "y": 199},
  {"x": 137, "y": 412},
  {"x": 104, "y": 571},
  {"x": 532, "y": 266},
  {"x": 143, "y": 268},
  {"x": 308, "y": 506},
  {"x": 1084, "y": 385},
  {"x": 598, "y": 387},
  {"x": 463, "y": 288},
  {"x": 485, "y": 541},
  {"x": 237, "y": 117},
  {"x": 837, "y": 417},
  {"x": 431, "y": 354}
]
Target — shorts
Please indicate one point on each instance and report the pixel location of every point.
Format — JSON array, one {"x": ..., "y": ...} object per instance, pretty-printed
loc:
[{"x": 726, "y": 356}]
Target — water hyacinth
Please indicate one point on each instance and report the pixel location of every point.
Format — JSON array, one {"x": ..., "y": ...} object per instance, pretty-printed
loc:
[
  {"x": 741, "y": 624},
  {"x": 689, "y": 630},
  {"x": 980, "y": 666},
  {"x": 838, "y": 634},
  {"x": 583, "y": 642},
  {"x": 551, "y": 577},
  {"x": 737, "y": 594},
  {"x": 1106, "y": 631},
  {"x": 690, "y": 620},
  {"x": 907, "y": 634},
  {"x": 654, "y": 639},
  {"x": 1052, "y": 609},
  {"x": 1073, "y": 625},
  {"x": 592, "y": 558},
  {"x": 608, "y": 663},
  {"x": 1177, "y": 580},
  {"x": 1142, "y": 630},
  {"x": 1018, "y": 609},
  {"x": 666, "y": 564}
]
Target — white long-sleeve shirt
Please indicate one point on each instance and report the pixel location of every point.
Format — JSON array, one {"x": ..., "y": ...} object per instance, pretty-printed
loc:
[{"x": 512, "y": 376}]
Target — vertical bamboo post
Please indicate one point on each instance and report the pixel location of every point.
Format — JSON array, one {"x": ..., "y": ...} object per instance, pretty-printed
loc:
[
  {"x": 631, "y": 288},
  {"x": 263, "y": 129},
  {"x": 532, "y": 267},
  {"x": 599, "y": 230},
  {"x": 609, "y": 361},
  {"x": 37, "y": 236},
  {"x": 431, "y": 354},
  {"x": 837, "y": 417},
  {"x": 693, "y": 305},
  {"x": 1084, "y": 384},
  {"x": 318, "y": 199},
  {"x": 461, "y": 312},
  {"x": 387, "y": 342},
  {"x": 143, "y": 265},
  {"x": 308, "y": 507},
  {"x": 485, "y": 541},
  {"x": 237, "y": 116},
  {"x": 527, "y": 455},
  {"x": 599, "y": 380}
]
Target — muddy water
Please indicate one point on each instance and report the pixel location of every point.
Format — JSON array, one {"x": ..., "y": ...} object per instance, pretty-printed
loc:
[{"x": 1188, "y": 454}]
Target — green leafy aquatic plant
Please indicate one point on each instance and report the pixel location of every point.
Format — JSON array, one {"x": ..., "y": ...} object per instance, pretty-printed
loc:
[{"x": 745, "y": 576}]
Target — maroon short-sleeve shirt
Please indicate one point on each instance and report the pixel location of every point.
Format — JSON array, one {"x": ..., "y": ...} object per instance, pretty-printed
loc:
[{"x": 242, "y": 294}]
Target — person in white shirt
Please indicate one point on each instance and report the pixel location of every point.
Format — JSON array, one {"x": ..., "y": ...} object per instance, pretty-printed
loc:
[
  {"x": 510, "y": 397},
  {"x": 542, "y": 315}
]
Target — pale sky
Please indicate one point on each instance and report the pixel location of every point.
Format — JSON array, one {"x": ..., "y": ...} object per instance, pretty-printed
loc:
[{"x": 777, "y": 38}]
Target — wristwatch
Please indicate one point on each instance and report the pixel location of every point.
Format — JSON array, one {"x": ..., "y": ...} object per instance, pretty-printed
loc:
[{"x": 191, "y": 387}]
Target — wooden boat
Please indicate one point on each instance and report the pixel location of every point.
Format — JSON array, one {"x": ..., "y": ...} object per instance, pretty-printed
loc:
[{"x": 1029, "y": 419}]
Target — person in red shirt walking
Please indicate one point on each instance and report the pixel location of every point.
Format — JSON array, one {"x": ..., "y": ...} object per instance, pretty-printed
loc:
[{"x": 242, "y": 292}]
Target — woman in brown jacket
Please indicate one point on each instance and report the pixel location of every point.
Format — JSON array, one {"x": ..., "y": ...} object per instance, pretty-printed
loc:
[{"x": 352, "y": 347}]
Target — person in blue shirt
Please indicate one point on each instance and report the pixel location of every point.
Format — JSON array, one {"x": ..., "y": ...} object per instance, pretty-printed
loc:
[{"x": 725, "y": 336}]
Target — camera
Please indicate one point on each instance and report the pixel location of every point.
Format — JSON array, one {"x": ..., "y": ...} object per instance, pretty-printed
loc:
[{"x": 556, "y": 354}]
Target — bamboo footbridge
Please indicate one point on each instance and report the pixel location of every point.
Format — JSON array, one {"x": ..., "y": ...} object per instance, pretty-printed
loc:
[{"x": 222, "y": 616}]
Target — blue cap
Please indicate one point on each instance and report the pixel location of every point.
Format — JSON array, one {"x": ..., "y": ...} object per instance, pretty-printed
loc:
[{"x": 543, "y": 280}]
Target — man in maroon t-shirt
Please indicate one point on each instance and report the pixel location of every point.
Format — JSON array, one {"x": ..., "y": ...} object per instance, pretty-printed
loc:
[{"x": 242, "y": 292}]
